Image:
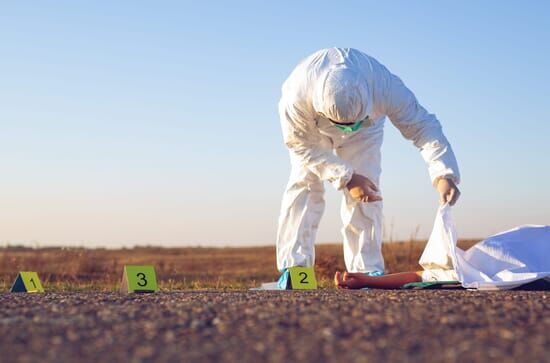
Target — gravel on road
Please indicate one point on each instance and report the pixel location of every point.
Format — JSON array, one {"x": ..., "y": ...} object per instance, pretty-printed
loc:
[{"x": 271, "y": 326}]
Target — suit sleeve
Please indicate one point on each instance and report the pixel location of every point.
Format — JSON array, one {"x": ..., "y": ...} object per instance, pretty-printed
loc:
[
  {"x": 422, "y": 128},
  {"x": 304, "y": 141}
]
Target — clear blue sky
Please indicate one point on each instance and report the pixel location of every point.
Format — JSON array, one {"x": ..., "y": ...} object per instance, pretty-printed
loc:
[{"x": 156, "y": 122}]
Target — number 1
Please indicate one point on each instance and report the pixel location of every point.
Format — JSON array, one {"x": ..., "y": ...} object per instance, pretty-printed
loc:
[{"x": 33, "y": 284}]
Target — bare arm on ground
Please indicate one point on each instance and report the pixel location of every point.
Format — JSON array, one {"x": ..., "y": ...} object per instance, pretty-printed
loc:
[{"x": 359, "y": 280}]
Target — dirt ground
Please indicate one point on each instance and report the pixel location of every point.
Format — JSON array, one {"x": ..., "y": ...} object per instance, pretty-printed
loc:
[{"x": 262, "y": 326}]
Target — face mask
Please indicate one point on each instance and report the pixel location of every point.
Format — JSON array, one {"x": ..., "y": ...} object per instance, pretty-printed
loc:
[{"x": 351, "y": 127}]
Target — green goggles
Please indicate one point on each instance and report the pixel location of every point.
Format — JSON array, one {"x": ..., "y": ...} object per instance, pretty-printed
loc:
[{"x": 347, "y": 128}]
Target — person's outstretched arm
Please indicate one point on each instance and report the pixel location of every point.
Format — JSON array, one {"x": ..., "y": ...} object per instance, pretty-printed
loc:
[
  {"x": 359, "y": 280},
  {"x": 424, "y": 129}
]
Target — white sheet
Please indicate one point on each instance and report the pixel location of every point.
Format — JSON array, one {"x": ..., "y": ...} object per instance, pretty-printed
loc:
[{"x": 503, "y": 261}]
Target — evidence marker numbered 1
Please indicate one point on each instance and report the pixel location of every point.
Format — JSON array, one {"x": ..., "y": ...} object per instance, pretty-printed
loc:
[
  {"x": 140, "y": 279},
  {"x": 27, "y": 281},
  {"x": 302, "y": 278}
]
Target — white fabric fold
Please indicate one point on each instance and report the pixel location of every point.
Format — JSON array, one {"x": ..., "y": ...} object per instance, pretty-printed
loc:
[{"x": 503, "y": 261}]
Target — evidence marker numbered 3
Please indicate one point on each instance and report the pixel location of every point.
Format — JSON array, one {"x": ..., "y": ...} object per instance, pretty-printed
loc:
[{"x": 140, "y": 279}]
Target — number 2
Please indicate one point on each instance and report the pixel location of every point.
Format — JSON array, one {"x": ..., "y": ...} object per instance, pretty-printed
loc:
[
  {"x": 303, "y": 275},
  {"x": 142, "y": 280}
]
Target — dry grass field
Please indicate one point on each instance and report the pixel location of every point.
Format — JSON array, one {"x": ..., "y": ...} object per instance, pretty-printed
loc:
[{"x": 63, "y": 269}]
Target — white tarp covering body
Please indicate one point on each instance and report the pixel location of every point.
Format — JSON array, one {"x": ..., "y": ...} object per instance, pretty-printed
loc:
[{"x": 503, "y": 261}]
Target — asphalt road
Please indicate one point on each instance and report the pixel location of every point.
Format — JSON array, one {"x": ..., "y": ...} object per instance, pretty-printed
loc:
[{"x": 243, "y": 326}]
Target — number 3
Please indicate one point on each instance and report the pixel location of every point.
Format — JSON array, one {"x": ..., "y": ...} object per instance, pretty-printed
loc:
[
  {"x": 303, "y": 275},
  {"x": 142, "y": 280}
]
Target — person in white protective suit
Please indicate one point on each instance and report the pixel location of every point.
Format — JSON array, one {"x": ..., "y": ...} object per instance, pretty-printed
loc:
[{"x": 332, "y": 113}]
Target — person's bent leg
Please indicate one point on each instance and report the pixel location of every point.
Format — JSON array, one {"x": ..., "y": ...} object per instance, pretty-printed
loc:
[
  {"x": 301, "y": 210},
  {"x": 362, "y": 230},
  {"x": 362, "y": 233}
]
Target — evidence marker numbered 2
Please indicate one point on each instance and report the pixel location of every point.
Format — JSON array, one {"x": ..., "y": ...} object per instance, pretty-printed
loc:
[
  {"x": 302, "y": 278},
  {"x": 140, "y": 279}
]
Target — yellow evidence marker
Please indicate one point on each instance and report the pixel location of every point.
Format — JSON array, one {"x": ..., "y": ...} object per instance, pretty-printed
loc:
[
  {"x": 302, "y": 278},
  {"x": 138, "y": 279},
  {"x": 27, "y": 281}
]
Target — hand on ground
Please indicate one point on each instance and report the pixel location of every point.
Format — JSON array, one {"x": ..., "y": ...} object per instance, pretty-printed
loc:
[
  {"x": 349, "y": 280},
  {"x": 448, "y": 191},
  {"x": 363, "y": 189}
]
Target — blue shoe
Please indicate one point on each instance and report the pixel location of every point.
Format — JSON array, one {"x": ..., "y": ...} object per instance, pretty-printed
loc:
[
  {"x": 375, "y": 273},
  {"x": 283, "y": 282}
]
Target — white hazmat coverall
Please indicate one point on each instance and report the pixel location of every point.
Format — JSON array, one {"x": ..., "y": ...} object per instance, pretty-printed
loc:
[{"x": 346, "y": 85}]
